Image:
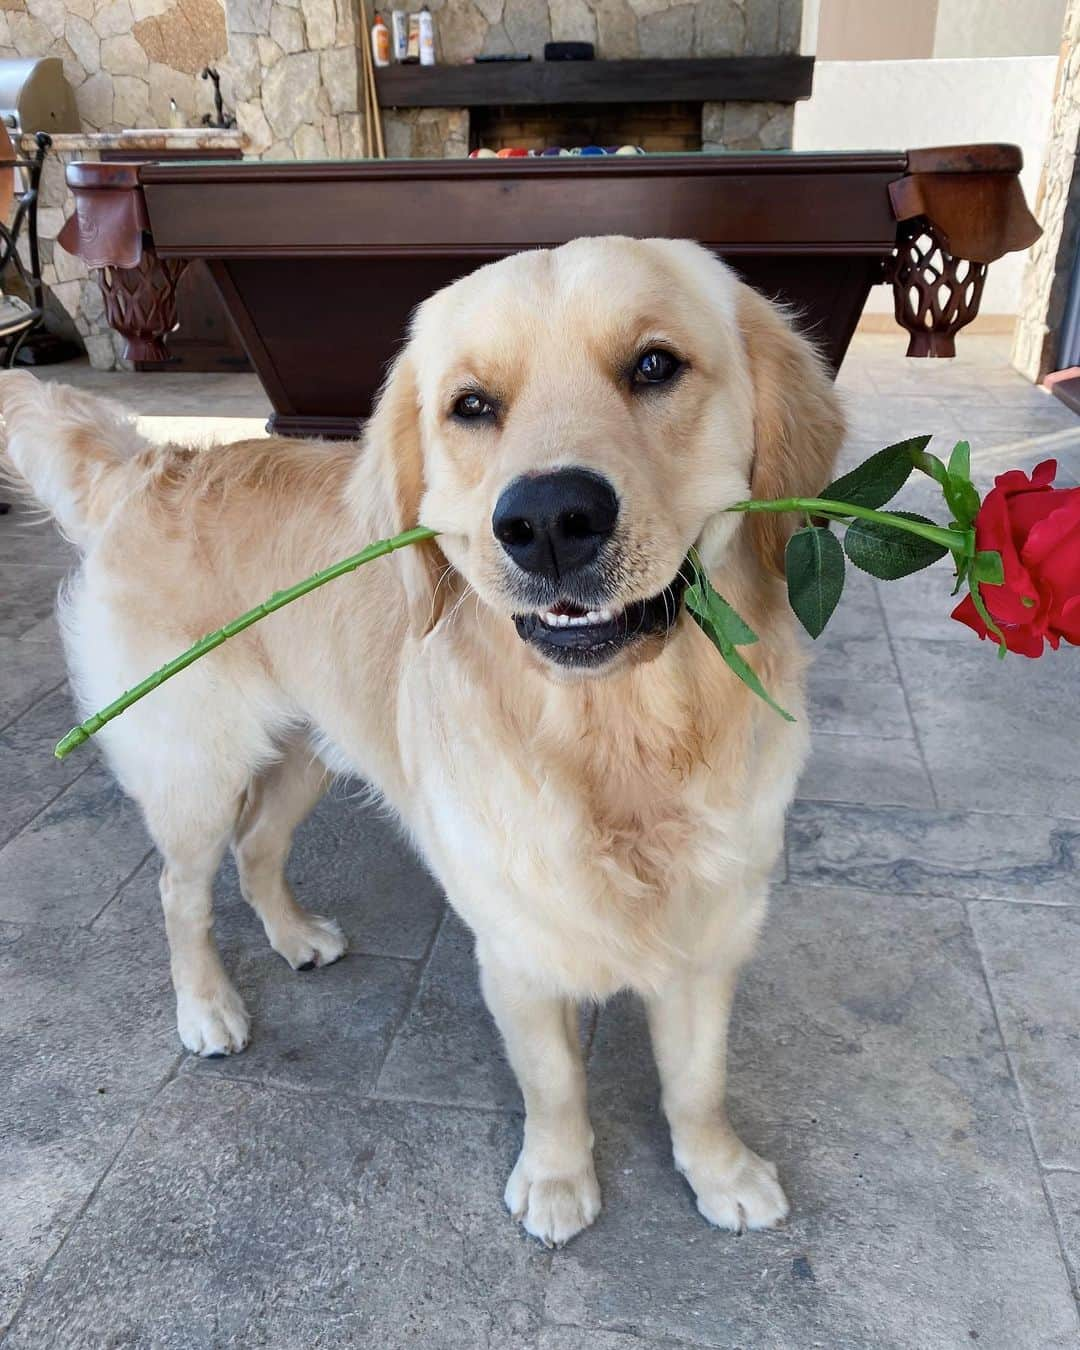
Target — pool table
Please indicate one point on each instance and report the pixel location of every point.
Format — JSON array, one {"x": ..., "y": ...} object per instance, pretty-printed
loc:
[{"x": 320, "y": 264}]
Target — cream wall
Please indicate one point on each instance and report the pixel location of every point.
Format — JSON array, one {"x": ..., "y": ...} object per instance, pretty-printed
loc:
[
  {"x": 998, "y": 27},
  {"x": 900, "y": 105}
]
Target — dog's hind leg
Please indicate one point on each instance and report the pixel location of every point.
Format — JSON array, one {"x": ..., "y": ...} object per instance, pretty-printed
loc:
[
  {"x": 210, "y": 1015},
  {"x": 187, "y": 761},
  {"x": 277, "y": 801}
]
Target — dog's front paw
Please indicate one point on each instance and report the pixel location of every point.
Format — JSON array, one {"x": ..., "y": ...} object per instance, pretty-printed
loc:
[
  {"x": 553, "y": 1208},
  {"x": 213, "y": 1025},
  {"x": 735, "y": 1188},
  {"x": 308, "y": 941}
]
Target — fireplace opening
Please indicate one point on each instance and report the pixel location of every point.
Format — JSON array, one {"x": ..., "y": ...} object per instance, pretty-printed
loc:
[{"x": 653, "y": 126}]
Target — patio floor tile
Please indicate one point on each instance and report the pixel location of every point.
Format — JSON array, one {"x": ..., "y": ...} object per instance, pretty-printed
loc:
[{"x": 1032, "y": 959}]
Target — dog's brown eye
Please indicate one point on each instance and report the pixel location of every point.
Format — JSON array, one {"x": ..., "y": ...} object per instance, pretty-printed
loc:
[
  {"x": 656, "y": 366},
  {"x": 473, "y": 405}
]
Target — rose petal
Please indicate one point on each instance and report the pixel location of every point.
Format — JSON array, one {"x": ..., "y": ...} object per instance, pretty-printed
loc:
[
  {"x": 965, "y": 612},
  {"x": 1068, "y": 621},
  {"x": 1028, "y": 509},
  {"x": 1048, "y": 534},
  {"x": 1052, "y": 554},
  {"x": 993, "y": 530},
  {"x": 1023, "y": 641}
]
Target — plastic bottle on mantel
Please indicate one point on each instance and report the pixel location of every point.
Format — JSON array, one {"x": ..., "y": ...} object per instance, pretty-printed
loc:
[
  {"x": 427, "y": 38},
  {"x": 400, "y": 24},
  {"x": 380, "y": 41}
]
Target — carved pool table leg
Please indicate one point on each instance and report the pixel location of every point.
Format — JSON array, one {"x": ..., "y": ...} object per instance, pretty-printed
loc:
[
  {"x": 140, "y": 303},
  {"x": 934, "y": 294}
]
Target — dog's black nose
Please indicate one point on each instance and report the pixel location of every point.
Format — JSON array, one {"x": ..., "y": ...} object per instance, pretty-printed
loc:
[{"x": 555, "y": 522}]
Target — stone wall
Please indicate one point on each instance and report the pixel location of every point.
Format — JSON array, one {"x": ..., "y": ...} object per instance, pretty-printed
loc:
[
  {"x": 295, "y": 75},
  {"x": 124, "y": 58},
  {"x": 1046, "y": 283},
  {"x": 619, "y": 29}
]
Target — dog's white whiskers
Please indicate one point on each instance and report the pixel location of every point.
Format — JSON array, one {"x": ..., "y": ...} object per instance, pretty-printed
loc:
[
  {"x": 469, "y": 590},
  {"x": 435, "y": 593}
]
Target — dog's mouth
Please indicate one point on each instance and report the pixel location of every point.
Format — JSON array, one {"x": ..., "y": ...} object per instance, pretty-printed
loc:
[{"x": 570, "y": 635}]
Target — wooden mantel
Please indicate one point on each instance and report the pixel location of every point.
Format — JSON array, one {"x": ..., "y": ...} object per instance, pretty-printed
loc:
[{"x": 766, "y": 79}]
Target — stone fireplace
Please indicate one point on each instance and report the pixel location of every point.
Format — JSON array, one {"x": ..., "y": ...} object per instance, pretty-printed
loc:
[
  {"x": 284, "y": 112},
  {"x": 671, "y": 126}
]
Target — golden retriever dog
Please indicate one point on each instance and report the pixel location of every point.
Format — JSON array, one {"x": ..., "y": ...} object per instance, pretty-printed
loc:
[{"x": 600, "y": 797}]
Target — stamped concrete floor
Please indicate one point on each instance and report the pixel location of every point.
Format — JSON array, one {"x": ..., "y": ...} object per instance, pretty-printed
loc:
[{"x": 906, "y": 1046}]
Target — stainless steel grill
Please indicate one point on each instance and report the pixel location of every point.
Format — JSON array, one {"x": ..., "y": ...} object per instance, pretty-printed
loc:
[{"x": 35, "y": 96}]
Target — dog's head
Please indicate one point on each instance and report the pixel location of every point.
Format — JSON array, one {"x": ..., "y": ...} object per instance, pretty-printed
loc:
[{"x": 572, "y": 421}]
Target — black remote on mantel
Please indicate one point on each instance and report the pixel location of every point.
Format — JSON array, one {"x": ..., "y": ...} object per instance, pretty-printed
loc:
[{"x": 503, "y": 56}]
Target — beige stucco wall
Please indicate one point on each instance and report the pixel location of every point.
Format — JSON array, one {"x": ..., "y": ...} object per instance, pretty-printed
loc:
[{"x": 873, "y": 30}]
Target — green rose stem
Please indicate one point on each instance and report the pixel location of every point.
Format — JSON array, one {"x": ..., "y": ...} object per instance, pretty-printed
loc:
[
  {"x": 83, "y": 732},
  {"x": 954, "y": 540}
]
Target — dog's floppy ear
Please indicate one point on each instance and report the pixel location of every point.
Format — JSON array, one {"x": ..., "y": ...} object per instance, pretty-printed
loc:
[
  {"x": 798, "y": 422},
  {"x": 393, "y": 434}
]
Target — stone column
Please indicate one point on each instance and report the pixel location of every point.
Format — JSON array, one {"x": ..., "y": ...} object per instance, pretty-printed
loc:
[
  {"x": 295, "y": 66},
  {"x": 1057, "y": 206},
  {"x": 761, "y": 28}
]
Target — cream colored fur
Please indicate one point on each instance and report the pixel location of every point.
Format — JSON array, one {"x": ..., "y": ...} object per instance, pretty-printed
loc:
[{"x": 597, "y": 833}]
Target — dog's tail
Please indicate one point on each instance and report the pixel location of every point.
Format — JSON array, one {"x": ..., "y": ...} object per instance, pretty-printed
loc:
[{"x": 66, "y": 450}]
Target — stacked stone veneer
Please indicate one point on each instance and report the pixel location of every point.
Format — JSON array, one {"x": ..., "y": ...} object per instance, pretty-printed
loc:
[
  {"x": 125, "y": 59},
  {"x": 295, "y": 76}
]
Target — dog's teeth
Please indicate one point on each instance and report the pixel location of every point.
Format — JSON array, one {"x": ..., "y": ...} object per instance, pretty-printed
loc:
[{"x": 552, "y": 620}]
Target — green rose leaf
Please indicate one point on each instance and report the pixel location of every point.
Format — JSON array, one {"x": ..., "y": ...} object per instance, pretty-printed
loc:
[
  {"x": 749, "y": 677},
  {"x": 878, "y": 479},
  {"x": 887, "y": 552},
  {"x": 960, "y": 461},
  {"x": 964, "y": 501},
  {"x": 814, "y": 562},
  {"x": 710, "y": 608},
  {"x": 930, "y": 465},
  {"x": 725, "y": 628},
  {"x": 987, "y": 566}
]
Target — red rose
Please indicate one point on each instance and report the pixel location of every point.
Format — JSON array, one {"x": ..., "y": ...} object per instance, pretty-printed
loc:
[{"x": 1036, "y": 529}]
